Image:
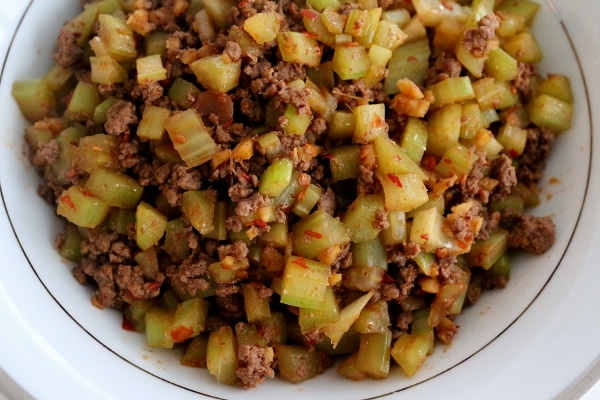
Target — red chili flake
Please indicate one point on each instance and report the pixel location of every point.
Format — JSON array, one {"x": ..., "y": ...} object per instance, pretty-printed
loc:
[
  {"x": 395, "y": 180},
  {"x": 387, "y": 278},
  {"x": 311, "y": 35},
  {"x": 86, "y": 192},
  {"x": 179, "y": 139},
  {"x": 463, "y": 245},
  {"x": 245, "y": 176},
  {"x": 429, "y": 162},
  {"x": 181, "y": 333},
  {"x": 126, "y": 325},
  {"x": 258, "y": 222},
  {"x": 313, "y": 234},
  {"x": 378, "y": 121},
  {"x": 310, "y": 14},
  {"x": 67, "y": 200},
  {"x": 351, "y": 44},
  {"x": 447, "y": 161},
  {"x": 243, "y": 3},
  {"x": 513, "y": 153},
  {"x": 424, "y": 236},
  {"x": 152, "y": 286},
  {"x": 330, "y": 157},
  {"x": 301, "y": 194},
  {"x": 301, "y": 262},
  {"x": 412, "y": 59}
]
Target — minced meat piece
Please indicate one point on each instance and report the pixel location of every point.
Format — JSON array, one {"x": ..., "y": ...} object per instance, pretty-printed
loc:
[
  {"x": 256, "y": 365},
  {"x": 533, "y": 160},
  {"x": 476, "y": 39},
  {"x": 69, "y": 53},
  {"x": 445, "y": 66},
  {"x": 532, "y": 234},
  {"x": 119, "y": 117},
  {"x": 503, "y": 170}
]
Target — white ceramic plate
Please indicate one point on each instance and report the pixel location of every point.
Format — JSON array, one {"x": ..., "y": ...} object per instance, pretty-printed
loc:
[{"x": 534, "y": 339}]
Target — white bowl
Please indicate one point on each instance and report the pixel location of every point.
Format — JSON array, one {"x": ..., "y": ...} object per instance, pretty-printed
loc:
[{"x": 535, "y": 338}]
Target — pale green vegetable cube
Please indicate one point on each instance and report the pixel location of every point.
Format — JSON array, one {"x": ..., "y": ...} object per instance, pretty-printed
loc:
[
  {"x": 214, "y": 73},
  {"x": 263, "y": 26},
  {"x": 34, "y": 98},
  {"x": 114, "y": 188},
  {"x": 150, "y": 225},
  {"x": 299, "y": 48},
  {"x": 190, "y": 137},
  {"x": 369, "y": 120},
  {"x": 350, "y": 62},
  {"x": 304, "y": 283},
  {"x": 150, "y": 68},
  {"x": 80, "y": 207}
]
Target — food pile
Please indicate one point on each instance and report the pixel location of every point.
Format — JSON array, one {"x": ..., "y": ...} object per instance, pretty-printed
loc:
[{"x": 275, "y": 184}]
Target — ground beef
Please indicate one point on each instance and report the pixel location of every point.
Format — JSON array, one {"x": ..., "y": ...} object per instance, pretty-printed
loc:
[
  {"x": 476, "y": 39},
  {"x": 238, "y": 250},
  {"x": 327, "y": 201},
  {"x": 471, "y": 186},
  {"x": 523, "y": 80},
  {"x": 69, "y": 53},
  {"x": 532, "y": 234},
  {"x": 503, "y": 170},
  {"x": 46, "y": 154},
  {"x": 250, "y": 205},
  {"x": 256, "y": 365},
  {"x": 533, "y": 160},
  {"x": 119, "y": 117},
  {"x": 445, "y": 66}
]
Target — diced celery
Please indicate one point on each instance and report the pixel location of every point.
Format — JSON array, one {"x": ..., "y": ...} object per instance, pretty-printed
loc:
[
  {"x": 344, "y": 162},
  {"x": 444, "y": 128},
  {"x": 457, "y": 160},
  {"x": 150, "y": 68},
  {"x": 83, "y": 102},
  {"x": 190, "y": 137},
  {"x": 470, "y": 121},
  {"x": 411, "y": 61},
  {"x": 370, "y": 253},
  {"x": 97, "y": 151},
  {"x": 114, "y": 188},
  {"x": 389, "y": 35},
  {"x": 80, "y": 207},
  {"x": 300, "y": 48},
  {"x": 414, "y": 138},
  {"x": 195, "y": 352},
  {"x": 229, "y": 270},
  {"x": 183, "y": 92},
  {"x": 189, "y": 319},
  {"x": 218, "y": 11},
  {"x": 513, "y": 139},
  {"x": 148, "y": 262},
  {"x": 157, "y": 322},
  {"x": 311, "y": 319},
  {"x": 485, "y": 253},
  {"x": 34, "y": 98},
  {"x": 501, "y": 65},
  {"x": 374, "y": 318},
  {"x": 426, "y": 230},
  {"x": 432, "y": 12},
  {"x": 317, "y": 29},
  {"x": 257, "y": 307},
  {"x": 341, "y": 125},
  {"x": 263, "y": 26},
  {"x": 350, "y": 62},
  {"x": 106, "y": 70},
  {"x": 360, "y": 217},
  {"x": 318, "y": 232},
  {"x": 523, "y": 47},
  {"x": 150, "y": 225},
  {"x": 321, "y": 101},
  {"x": 557, "y": 86},
  {"x": 549, "y": 112},
  {"x": 374, "y": 354},
  {"x": 396, "y": 232},
  {"x": 135, "y": 313},
  {"x": 117, "y": 37},
  {"x": 152, "y": 124},
  {"x": 101, "y": 109},
  {"x": 304, "y": 283},
  {"x": 452, "y": 90},
  {"x": 296, "y": 123},
  {"x": 348, "y": 315},
  {"x": 221, "y": 355},
  {"x": 447, "y": 34},
  {"x": 393, "y": 159},
  {"x": 175, "y": 244},
  {"x": 526, "y": 8},
  {"x": 369, "y": 122},
  {"x": 297, "y": 363},
  {"x": 215, "y": 73},
  {"x": 199, "y": 209},
  {"x": 403, "y": 192},
  {"x": 276, "y": 177},
  {"x": 306, "y": 200},
  {"x": 70, "y": 246},
  {"x": 410, "y": 351}
]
